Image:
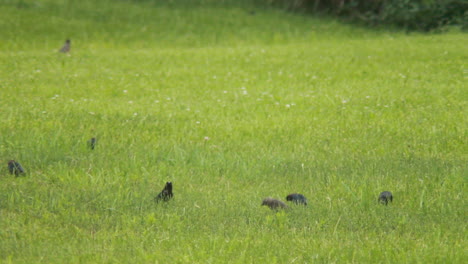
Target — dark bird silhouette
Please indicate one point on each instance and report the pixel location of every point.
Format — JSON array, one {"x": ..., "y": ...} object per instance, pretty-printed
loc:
[
  {"x": 92, "y": 143},
  {"x": 15, "y": 168},
  {"x": 385, "y": 197},
  {"x": 274, "y": 204},
  {"x": 66, "y": 47},
  {"x": 297, "y": 198},
  {"x": 166, "y": 194}
]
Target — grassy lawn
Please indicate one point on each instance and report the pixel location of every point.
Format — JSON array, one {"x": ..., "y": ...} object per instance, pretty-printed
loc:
[{"x": 232, "y": 102}]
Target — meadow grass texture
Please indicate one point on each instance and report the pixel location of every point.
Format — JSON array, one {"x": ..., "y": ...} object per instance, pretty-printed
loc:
[{"x": 232, "y": 106}]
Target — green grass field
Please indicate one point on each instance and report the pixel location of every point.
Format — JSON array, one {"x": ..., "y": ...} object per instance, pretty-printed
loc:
[{"x": 232, "y": 106}]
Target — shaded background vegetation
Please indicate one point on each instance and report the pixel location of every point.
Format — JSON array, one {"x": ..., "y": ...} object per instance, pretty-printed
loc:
[{"x": 422, "y": 15}]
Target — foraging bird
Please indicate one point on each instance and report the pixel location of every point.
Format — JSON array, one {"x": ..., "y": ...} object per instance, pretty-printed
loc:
[
  {"x": 166, "y": 194},
  {"x": 297, "y": 198},
  {"x": 92, "y": 143},
  {"x": 274, "y": 204},
  {"x": 15, "y": 168},
  {"x": 385, "y": 197},
  {"x": 66, "y": 47}
]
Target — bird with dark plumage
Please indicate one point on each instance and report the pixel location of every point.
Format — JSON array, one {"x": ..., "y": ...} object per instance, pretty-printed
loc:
[
  {"x": 274, "y": 204},
  {"x": 166, "y": 194},
  {"x": 385, "y": 197},
  {"x": 15, "y": 168},
  {"x": 297, "y": 198},
  {"x": 66, "y": 47},
  {"x": 92, "y": 143}
]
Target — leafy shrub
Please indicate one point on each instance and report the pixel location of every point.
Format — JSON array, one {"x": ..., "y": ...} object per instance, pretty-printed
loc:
[{"x": 422, "y": 15}]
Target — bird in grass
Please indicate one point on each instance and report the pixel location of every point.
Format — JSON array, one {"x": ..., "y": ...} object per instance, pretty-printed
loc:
[
  {"x": 15, "y": 168},
  {"x": 66, "y": 47},
  {"x": 92, "y": 143},
  {"x": 385, "y": 197},
  {"x": 166, "y": 194},
  {"x": 297, "y": 198},
  {"x": 274, "y": 204}
]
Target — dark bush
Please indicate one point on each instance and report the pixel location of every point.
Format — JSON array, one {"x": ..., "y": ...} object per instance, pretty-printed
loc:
[{"x": 421, "y": 15}]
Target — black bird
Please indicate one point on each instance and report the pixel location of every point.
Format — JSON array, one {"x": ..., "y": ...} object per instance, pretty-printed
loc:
[
  {"x": 385, "y": 197},
  {"x": 166, "y": 194},
  {"x": 15, "y": 168},
  {"x": 297, "y": 198},
  {"x": 274, "y": 204},
  {"x": 92, "y": 143},
  {"x": 66, "y": 47}
]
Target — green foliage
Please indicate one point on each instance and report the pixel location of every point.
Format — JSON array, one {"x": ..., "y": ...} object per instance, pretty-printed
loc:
[
  {"x": 232, "y": 107},
  {"x": 423, "y": 15}
]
